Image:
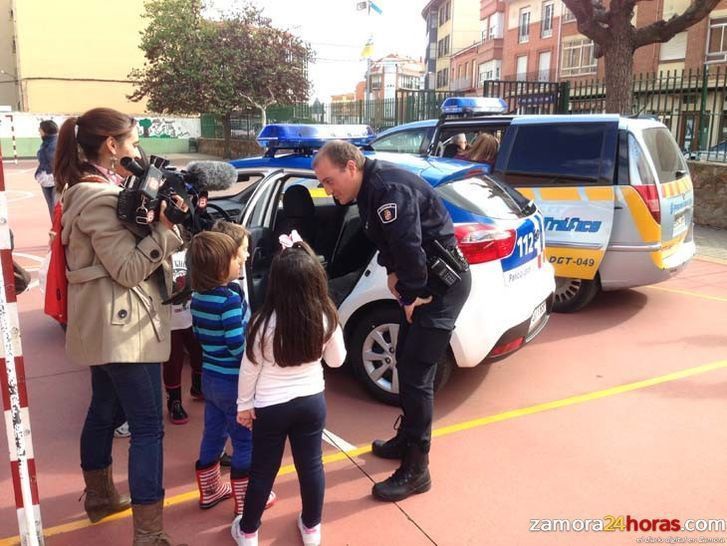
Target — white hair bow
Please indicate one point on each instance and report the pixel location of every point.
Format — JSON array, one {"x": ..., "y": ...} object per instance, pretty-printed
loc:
[{"x": 287, "y": 241}]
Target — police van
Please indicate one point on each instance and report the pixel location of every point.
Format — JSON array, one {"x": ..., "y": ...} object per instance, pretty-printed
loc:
[
  {"x": 615, "y": 191},
  {"x": 498, "y": 230}
]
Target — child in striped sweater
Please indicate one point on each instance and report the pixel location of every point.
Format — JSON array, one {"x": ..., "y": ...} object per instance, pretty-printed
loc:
[{"x": 219, "y": 317}]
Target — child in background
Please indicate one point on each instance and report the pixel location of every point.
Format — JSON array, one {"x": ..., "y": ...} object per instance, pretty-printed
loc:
[
  {"x": 281, "y": 386},
  {"x": 218, "y": 311},
  {"x": 182, "y": 338}
]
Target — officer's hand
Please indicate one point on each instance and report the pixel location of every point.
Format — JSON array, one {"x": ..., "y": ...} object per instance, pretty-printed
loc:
[
  {"x": 409, "y": 309},
  {"x": 391, "y": 281}
]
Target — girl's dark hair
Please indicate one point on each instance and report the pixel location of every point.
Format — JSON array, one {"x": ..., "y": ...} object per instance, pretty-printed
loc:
[
  {"x": 76, "y": 150},
  {"x": 49, "y": 126},
  {"x": 298, "y": 295},
  {"x": 209, "y": 257}
]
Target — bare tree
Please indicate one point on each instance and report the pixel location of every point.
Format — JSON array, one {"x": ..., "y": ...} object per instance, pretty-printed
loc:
[{"x": 616, "y": 39}]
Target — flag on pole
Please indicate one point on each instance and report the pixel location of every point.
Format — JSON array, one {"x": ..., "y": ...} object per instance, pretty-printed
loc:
[{"x": 368, "y": 48}]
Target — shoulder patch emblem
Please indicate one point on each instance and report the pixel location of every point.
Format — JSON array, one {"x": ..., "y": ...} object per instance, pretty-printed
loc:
[{"x": 387, "y": 213}]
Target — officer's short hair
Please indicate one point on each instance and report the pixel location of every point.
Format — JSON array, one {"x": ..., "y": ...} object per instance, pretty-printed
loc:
[{"x": 340, "y": 152}]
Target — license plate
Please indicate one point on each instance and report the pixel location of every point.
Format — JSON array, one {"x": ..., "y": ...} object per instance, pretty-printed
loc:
[
  {"x": 538, "y": 315},
  {"x": 680, "y": 225}
]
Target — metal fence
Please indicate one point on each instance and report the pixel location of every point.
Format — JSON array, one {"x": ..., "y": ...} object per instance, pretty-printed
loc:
[{"x": 692, "y": 104}]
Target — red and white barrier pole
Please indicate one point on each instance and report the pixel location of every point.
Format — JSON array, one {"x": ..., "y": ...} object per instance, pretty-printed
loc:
[{"x": 14, "y": 394}]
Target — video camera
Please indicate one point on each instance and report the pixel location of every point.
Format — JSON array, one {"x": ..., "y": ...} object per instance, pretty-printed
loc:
[{"x": 140, "y": 200}]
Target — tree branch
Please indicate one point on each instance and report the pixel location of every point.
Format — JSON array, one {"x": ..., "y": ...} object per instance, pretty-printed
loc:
[
  {"x": 591, "y": 16},
  {"x": 663, "y": 31}
]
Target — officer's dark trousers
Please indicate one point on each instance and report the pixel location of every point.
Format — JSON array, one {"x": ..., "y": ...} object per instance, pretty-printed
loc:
[{"x": 420, "y": 346}]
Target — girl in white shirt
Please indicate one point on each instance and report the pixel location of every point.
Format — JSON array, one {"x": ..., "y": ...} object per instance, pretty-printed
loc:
[{"x": 281, "y": 386}]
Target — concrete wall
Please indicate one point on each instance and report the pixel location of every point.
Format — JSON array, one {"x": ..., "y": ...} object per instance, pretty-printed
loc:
[
  {"x": 710, "y": 193},
  {"x": 240, "y": 148}
]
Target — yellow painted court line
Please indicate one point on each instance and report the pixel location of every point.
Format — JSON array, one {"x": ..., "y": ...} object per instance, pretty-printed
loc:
[
  {"x": 688, "y": 293},
  {"x": 444, "y": 431}
]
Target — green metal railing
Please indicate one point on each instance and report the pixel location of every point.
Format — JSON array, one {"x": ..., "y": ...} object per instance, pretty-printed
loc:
[{"x": 692, "y": 104}]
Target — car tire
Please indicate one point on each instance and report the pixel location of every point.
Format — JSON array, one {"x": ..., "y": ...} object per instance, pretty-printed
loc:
[
  {"x": 572, "y": 295},
  {"x": 375, "y": 336}
]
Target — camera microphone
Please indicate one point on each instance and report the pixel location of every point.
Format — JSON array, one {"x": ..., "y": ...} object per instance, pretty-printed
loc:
[{"x": 212, "y": 175}]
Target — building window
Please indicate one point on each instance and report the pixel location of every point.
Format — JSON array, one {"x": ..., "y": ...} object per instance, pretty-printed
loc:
[
  {"x": 489, "y": 71},
  {"x": 375, "y": 82},
  {"x": 717, "y": 40},
  {"x": 444, "y": 12},
  {"x": 523, "y": 34},
  {"x": 566, "y": 14},
  {"x": 494, "y": 27},
  {"x": 578, "y": 58},
  {"x": 443, "y": 47},
  {"x": 443, "y": 77},
  {"x": 546, "y": 25},
  {"x": 521, "y": 70}
]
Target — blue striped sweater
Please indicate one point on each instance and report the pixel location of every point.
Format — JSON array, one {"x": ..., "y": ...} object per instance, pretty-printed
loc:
[{"x": 219, "y": 319}]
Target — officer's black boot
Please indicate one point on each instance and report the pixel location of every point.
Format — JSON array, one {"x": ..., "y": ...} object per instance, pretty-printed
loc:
[
  {"x": 410, "y": 478},
  {"x": 393, "y": 448}
]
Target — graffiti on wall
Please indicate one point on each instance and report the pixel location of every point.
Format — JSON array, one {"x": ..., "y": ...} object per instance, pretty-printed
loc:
[{"x": 163, "y": 128}]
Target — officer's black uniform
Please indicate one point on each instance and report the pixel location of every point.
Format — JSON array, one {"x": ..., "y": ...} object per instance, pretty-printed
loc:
[{"x": 403, "y": 216}]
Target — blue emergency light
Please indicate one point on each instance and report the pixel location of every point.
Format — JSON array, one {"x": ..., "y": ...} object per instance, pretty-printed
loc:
[
  {"x": 290, "y": 136},
  {"x": 474, "y": 105}
]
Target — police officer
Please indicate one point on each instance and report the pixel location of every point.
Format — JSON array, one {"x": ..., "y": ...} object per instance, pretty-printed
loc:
[{"x": 429, "y": 277}]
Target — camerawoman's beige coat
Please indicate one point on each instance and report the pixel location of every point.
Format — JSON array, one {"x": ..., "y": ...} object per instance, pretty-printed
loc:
[{"x": 118, "y": 276}]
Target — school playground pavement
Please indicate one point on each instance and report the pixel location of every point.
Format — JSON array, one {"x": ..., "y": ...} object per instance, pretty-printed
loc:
[{"x": 618, "y": 410}]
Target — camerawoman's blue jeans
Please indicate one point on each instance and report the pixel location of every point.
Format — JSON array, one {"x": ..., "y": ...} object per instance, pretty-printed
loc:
[{"x": 135, "y": 388}]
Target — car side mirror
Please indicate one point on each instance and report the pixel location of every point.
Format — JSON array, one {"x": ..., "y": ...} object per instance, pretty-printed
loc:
[{"x": 680, "y": 173}]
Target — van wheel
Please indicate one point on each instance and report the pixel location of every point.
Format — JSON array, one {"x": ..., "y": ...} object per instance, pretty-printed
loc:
[
  {"x": 572, "y": 295},
  {"x": 373, "y": 355}
]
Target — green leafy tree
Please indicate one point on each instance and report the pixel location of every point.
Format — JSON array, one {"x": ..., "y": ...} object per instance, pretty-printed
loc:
[
  {"x": 615, "y": 38},
  {"x": 237, "y": 62}
]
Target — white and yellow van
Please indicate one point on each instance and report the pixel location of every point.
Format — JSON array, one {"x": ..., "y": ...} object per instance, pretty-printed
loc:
[{"x": 615, "y": 193}]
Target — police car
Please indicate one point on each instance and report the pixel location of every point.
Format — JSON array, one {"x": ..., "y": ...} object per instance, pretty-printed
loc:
[
  {"x": 499, "y": 232},
  {"x": 615, "y": 191}
]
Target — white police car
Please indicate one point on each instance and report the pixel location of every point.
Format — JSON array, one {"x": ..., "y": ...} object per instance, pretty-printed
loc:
[{"x": 499, "y": 231}]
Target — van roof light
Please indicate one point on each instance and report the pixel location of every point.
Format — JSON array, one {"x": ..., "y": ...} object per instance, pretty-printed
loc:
[{"x": 474, "y": 105}]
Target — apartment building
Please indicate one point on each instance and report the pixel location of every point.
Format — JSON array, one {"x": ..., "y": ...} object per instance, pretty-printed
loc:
[
  {"x": 391, "y": 73},
  {"x": 452, "y": 26},
  {"x": 538, "y": 40}
]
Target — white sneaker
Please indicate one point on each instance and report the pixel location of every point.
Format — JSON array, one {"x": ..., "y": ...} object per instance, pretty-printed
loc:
[
  {"x": 311, "y": 537},
  {"x": 122, "y": 431},
  {"x": 240, "y": 538}
]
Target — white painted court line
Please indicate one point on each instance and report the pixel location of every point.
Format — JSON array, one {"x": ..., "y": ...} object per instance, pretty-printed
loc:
[
  {"x": 29, "y": 256},
  {"x": 23, "y": 195},
  {"x": 335, "y": 441}
]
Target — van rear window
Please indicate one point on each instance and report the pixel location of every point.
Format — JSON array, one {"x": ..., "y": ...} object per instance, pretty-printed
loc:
[
  {"x": 571, "y": 150},
  {"x": 664, "y": 153},
  {"x": 483, "y": 196}
]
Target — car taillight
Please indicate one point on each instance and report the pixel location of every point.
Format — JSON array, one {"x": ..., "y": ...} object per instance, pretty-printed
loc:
[
  {"x": 506, "y": 347},
  {"x": 482, "y": 243},
  {"x": 650, "y": 195}
]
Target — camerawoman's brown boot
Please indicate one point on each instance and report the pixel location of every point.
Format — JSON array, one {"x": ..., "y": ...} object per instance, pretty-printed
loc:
[
  {"x": 148, "y": 527},
  {"x": 102, "y": 498}
]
